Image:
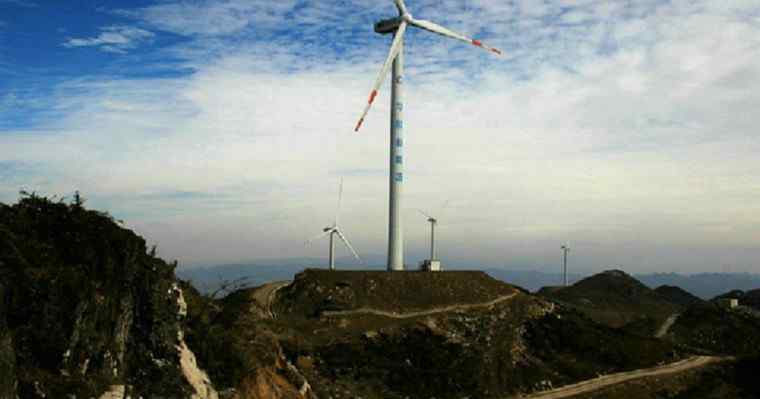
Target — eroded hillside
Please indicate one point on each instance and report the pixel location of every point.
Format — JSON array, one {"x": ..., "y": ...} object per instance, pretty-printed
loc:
[{"x": 86, "y": 308}]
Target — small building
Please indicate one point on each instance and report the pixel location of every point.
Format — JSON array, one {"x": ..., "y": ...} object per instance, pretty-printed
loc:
[
  {"x": 728, "y": 303},
  {"x": 429, "y": 265}
]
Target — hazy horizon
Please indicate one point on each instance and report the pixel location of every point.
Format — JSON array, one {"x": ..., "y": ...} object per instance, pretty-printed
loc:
[{"x": 219, "y": 130}]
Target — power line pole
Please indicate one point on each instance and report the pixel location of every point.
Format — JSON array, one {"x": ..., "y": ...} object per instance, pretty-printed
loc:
[{"x": 565, "y": 250}]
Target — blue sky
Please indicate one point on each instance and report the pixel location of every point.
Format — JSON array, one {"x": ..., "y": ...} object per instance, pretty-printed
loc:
[{"x": 219, "y": 130}]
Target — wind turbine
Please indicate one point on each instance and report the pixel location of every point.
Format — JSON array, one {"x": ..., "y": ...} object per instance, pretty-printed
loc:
[
  {"x": 433, "y": 221},
  {"x": 565, "y": 250},
  {"x": 334, "y": 230},
  {"x": 398, "y": 26},
  {"x": 432, "y": 264}
]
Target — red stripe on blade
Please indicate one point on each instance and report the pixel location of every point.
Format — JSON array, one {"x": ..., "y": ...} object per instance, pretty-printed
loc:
[
  {"x": 477, "y": 43},
  {"x": 358, "y": 125},
  {"x": 372, "y": 96},
  {"x": 497, "y": 51}
]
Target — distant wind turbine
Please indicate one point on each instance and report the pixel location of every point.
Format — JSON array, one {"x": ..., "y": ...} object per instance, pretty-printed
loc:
[
  {"x": 565, "y": 250},
  {"x": 398, "y": 26},
  {"x": 334, "y": 230},
  {"x": 433, "y": 221}
]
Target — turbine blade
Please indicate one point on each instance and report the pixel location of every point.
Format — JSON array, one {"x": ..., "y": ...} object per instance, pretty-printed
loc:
[
  {"x": 316, "y": 237},
  {"x": 345, "y": 241},
  {"x": 424, "y": 214},
  {"x": 395, "y": 48},
  {"x": 401, "y": 6},
  {"x": 435, "y": 28}
]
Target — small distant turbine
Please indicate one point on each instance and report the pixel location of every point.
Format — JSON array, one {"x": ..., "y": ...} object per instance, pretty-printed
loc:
[
  {"x": 433, "y": 221},
  {"x": 565, "y": 250},
  {"x": 334, "y": 230}
]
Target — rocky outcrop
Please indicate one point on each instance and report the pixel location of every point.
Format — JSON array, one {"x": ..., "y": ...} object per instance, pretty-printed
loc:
[
  {"x": 92, "y": 311},
  {"x": 237, "y": 346},
  {"x": 197, "y": 378}
]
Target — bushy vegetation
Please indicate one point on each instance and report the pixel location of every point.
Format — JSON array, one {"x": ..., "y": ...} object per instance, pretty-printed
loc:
[
  {"x": 87, "y": 304},
  {"x": 616, "y": 299},
  {"x": 230, "y": 340},
  {"x": 717, "y": 330}
]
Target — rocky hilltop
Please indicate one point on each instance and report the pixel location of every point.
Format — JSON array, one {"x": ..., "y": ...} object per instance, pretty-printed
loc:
[{"x": 87, "y": 310}]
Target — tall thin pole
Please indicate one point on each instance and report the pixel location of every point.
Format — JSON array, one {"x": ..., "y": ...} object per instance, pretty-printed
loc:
[
  {"x": 395, "y": 229},
  {"x": 332, "y": 250},
  {"x": 565, "y": 250},
  {"x": 432, "y": 239}
]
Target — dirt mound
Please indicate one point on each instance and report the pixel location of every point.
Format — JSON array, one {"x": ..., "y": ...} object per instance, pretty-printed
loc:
[{"x": 315, "y": 291}]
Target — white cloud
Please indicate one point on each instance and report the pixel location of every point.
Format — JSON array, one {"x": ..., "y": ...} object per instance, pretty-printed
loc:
[
  {"x": 116, "y": 39},
  {"x": 212, "y": 17},
  {"x": 631, "y": 133}
]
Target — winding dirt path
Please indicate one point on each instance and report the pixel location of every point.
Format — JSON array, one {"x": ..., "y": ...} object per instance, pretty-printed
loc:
[
  {"x": 442, "y": 309},
  {"x": 666, "y": 325},
  {"x": 265, "y": 295},
  {"x": 619, "y": 378}
]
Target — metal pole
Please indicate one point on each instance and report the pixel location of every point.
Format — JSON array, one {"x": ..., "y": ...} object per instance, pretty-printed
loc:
[
  {"x": 564, "y": 262},
  {"x": 332, "y": 250},
  {"x": 395, "y": 229},
  {"x": 432, "y": 240}
]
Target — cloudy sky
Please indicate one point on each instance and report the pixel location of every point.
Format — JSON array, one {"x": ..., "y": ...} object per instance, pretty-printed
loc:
[{"x": 220, "y": 130}]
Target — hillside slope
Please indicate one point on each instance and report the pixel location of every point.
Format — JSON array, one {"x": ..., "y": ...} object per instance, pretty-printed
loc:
[
  {"x": 518, "y": 345},
  {"x": 726, "y": 380},
  {"x": 616, "y": 299},
  {"x": 715, "y": 330},
  {"x": 677, "y": 295},
  {"x": 86, "y": 307}
]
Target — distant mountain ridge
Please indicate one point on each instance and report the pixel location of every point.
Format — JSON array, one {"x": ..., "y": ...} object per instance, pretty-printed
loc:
[{"x": 702, "y": 285}]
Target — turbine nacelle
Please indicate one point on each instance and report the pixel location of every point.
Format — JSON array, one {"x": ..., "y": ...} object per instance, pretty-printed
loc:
[{"x": 388, "y": 25}]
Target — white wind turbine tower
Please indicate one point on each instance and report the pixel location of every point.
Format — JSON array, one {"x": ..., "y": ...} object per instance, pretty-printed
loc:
[
  {"x": 334, "y": 230},
  {"x": 398, "y": 26},
  {"x": 565, "y": 249}
]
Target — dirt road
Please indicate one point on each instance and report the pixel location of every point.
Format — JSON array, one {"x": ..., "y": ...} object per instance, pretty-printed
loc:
[
  {"x": 619, "y": 378},
  {"x": 666, "y": 325},
  {"x": 443, "y": 309},
  {"x": 265, "y": 295}
]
